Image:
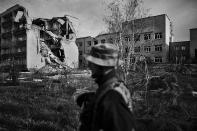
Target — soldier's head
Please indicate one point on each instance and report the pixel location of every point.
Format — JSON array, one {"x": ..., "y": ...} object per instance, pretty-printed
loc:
[{"x": 102, "y": 57}]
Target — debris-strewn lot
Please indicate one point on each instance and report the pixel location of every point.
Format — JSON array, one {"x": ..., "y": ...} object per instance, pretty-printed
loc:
[{"x": 164, "y": 103}]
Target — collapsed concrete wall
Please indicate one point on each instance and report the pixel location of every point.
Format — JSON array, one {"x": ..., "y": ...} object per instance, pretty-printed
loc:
[
  {"x": 51, "y": 41},
  {"x": 33, "y": 55}
]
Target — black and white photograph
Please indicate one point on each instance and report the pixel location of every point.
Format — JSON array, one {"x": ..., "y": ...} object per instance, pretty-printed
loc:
[{"x": 98, "y": 65}]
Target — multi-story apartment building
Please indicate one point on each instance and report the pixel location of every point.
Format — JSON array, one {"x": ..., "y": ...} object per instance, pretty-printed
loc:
[
  {"x": 17, "y": 41},
  {"x": 27, "y": 43},
  {"x": 149, "y": 36},
  {"x": 179, "y": 52},
  {"x": 84, "y": 46},
  {"x": 193, "y": 45}
]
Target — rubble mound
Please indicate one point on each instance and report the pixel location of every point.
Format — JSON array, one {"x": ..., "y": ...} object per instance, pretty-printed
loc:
[{"x": 50, "y": 70}]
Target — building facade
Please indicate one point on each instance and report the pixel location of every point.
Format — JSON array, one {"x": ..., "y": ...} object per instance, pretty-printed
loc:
[
  {"x": 27, "y": 43},
  {"x": 112, "y": 38},
  {"x": 179, "y": 52},
  {"x": 193, "y": 45},
  {"x": 16, "y": 41},
  {"x": 84, "y": 46},
  {"x": 149, "y": 36}
]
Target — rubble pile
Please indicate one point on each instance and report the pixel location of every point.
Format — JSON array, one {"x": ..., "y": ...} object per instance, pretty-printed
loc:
[{"x": 56, "y": 39}]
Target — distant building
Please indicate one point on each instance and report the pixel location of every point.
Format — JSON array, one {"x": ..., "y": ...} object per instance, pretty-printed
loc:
[
  {"x": 84, "y": 46},
  {"x": 152, "y": 36},
  {"x": 112, "y": 38},
  {"x": 193, "y": 45},
  {"x": 179, "y": 52}
]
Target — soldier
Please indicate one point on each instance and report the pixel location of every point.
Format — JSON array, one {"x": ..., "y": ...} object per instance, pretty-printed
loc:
[{"x": 112, "y": 99}]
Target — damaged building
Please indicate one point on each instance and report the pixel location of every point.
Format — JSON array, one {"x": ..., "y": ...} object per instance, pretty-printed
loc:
[{"x": 27, "y": 43}]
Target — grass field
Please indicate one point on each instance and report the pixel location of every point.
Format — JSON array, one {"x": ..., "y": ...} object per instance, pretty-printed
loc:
[{"x": 50, "y": 106}]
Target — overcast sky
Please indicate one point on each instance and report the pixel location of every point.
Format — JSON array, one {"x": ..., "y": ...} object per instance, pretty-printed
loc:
[{"x": 90, "y": 13}]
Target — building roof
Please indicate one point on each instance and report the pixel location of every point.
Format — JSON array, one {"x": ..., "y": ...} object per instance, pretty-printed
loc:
[
  {"x": 107, "y": 34},
  {"x": 84, "y": 37},
  {"x": 148, "y": 17},
  {"x": 193, "y": 29},
  {"x": 179, "y": 42}
]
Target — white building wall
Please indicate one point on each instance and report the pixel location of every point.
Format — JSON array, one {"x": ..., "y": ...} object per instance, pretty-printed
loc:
[{"x": 34, "y": 58}]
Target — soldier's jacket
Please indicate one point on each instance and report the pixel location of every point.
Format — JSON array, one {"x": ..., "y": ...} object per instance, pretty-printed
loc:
[{"x": 109, "y": 110}]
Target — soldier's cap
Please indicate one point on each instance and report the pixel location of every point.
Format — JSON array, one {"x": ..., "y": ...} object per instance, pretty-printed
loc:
[{"x": 105, "y": 54}]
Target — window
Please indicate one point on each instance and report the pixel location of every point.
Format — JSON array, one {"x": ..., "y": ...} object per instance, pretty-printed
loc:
[
  {"x": 80, "y": 43},
  {"x": 127, "y": 38},
  {"x": 88, "y": 43},
  {"x": 158, "y": 59},
  {"x": 158, "y": 35},
  {"x": 87, "y": 51},
  {"x": 110, "y": 40},
  {"x": 183, "y": 47},
  {"x": 158, "y": 47},
  {"x": 147, "y": 36},
  {"x": 21, "y": 38},
  {"x": 126, "y": 49},
  {"x": 103, "y": 41},
  {"x": 80, "y": 62},
  {"x": 80, "y": 52},
  {"x": 137, "y": 49},
  {"x": 176, "y": 48},
  {"x": 147, "y": 48},
  {"x": 183, "y": 58},
  {"x": 95, "y": 42},
  {"x": 117, "y": 40},
  {"x": 19, "y": 50},
  {"x": 137, "y": 37}
]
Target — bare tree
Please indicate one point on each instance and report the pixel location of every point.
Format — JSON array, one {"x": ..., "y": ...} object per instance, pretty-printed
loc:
[{"x": 127, "y": 11}]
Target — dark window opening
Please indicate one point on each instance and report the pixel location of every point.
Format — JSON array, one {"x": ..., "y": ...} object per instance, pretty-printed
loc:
[{"x": 103, "y": 41}]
